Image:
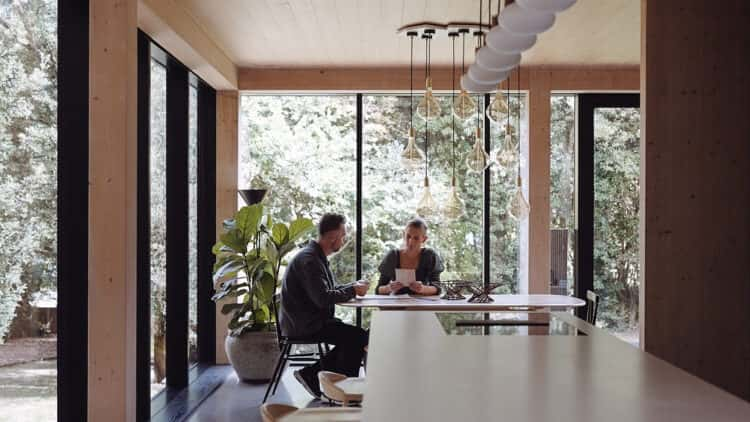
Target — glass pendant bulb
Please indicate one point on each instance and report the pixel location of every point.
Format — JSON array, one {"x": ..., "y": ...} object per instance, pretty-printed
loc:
[
  {"x": 454, "y": 208},
  {"x": 427, "y": 207},
  {"x": 519, "y": 207},
  {"x": 478, "y": 159},
  {"x": 412, "y": 157},
  {"x": 428, "y": 107},
  {"x": 497, "y": 109},
  {"x": 464, "y": 105},
  {"x": 505, "y": 155}
]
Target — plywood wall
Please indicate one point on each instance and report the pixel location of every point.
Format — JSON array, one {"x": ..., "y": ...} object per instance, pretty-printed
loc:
[
  {"x": 695, "y": 224},
  {"x": 112, "y": 210}
]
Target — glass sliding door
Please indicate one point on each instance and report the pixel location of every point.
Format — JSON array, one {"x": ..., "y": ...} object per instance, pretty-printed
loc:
[
  {"x": 610, "y": 176},
  {"x": 193, "y": 226}
]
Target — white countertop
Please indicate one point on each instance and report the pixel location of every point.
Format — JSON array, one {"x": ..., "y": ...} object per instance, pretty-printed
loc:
[
  {"x": 416, "y": 372},
  {"x": 500, "y": 302}
]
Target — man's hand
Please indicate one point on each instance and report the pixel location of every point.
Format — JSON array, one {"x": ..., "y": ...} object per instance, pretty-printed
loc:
[
  {"x": 416, "y": 287},
  {"x": 361, "y": 287},
  {"x": 395, "y": 286}
]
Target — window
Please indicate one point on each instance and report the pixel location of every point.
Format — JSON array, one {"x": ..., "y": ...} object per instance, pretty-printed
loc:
[
  {"x": 158, "y": 205},
  {"x": 563, "y": 192},
  {"x": 302, "y": 148},
  {"x": 277, "y": 133},
  {"x": 193, "y": 225},
  {"x": 28, "y": 210}
]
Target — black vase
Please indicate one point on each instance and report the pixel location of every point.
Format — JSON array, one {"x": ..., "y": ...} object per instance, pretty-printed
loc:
[{"x": 252, "y": 196}]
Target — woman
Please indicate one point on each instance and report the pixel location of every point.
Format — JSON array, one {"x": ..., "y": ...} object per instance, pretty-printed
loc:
[{"x": 425, "y": 262}]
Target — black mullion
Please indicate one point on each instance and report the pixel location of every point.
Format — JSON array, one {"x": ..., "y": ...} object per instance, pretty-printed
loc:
[
  {"x": 358, "y": 241},
  {"x": 177, "y": 225},
  {"x": 143, "y": 257},
  {"x": 585, "y": 214},
  {"x": 72, "y": 208},
  {"x": 206, "y": 221},
  {"x": 486, "y": 215}
]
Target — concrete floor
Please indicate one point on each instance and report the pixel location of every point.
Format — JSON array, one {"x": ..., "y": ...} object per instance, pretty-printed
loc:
[{"x": 240, "y": 401}]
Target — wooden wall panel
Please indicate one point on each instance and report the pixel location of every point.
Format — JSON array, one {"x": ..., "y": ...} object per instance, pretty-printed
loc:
[
  {"x": 384, "y": 79},
  {"x": 696, "y": 189},
  {"x": 539, "y": 181},
  {"x": 112, "y": 210},
  {"x": 227, "y": 104}
]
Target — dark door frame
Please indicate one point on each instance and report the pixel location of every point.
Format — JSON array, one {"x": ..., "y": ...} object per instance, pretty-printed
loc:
[{"x": 584, "y": 279}]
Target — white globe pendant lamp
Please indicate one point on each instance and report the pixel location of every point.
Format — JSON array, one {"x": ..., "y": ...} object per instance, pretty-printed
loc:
[
  {"x": 491, "y": 60},
  {"x": 501, "y": 40},
  {"x": 472, "y": 86},
  {"x": 550, "y": 6},
  {"x": 518, "y": 20},
  {"x": 484, "y": 76}
]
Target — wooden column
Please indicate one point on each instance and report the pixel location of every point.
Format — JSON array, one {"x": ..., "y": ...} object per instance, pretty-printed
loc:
[
  {"x": 695, "y": 218},
  {"x": 539, "y": 181},
  {"x": 227, "y": 111},
  {"x": 112, "y": 210}
]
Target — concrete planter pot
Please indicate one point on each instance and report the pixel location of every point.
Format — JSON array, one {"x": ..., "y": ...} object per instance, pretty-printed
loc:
[{"x": 253, "y": 355}]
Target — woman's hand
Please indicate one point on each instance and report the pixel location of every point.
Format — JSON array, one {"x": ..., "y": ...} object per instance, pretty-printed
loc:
[
  {"x": 417, "y": 287},
  {"x": 395, "y": 286}
]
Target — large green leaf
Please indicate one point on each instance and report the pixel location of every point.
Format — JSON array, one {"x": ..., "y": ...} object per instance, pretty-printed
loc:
[
  {"x": 299, "y": 228},
  {"x": 247, "y": 220},
  {"x": 280, "y": 233},
  {"x": 228, "y": 271},
  {"x": 234, "y": 240},
  {"x": 230, "y": 307}
]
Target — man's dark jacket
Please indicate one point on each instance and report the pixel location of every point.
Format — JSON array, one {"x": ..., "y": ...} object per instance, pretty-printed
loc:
[{"x": 309, "y": 292}]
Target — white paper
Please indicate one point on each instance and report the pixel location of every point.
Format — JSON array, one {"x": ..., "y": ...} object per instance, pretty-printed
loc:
[{"x": 405, "y": 276}]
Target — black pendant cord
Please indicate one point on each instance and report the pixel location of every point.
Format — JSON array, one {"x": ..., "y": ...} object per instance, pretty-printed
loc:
[
  {"x": 518, "y": 118},
  {"x": 480, "y": 23},
  {"x": 489, "y": 16},
  {"x": 463, "y": 51},
  {"x": 411, "y": 83},
  {"x": 453, "y": 115},
  {"x": 427, "y": 107}
]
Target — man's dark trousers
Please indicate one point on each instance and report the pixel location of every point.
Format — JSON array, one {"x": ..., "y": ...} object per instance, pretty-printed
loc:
[{"x": 346, "y": 357}]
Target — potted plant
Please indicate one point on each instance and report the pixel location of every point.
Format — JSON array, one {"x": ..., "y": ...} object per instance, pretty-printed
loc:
[{"x": 249, "y": 256}]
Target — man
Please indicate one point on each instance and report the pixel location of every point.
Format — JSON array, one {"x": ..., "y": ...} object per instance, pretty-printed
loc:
[{"x": 308, "y": 295}]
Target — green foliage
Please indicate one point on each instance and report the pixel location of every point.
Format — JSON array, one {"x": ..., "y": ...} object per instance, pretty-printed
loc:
[
  {"x": 249, "y": 257},
  {"x": 28, "y": 152}
]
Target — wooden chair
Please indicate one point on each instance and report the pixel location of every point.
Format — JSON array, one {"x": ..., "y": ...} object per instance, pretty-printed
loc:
[
  {"x": 273, "y": 412},
  {"x": 286, "y": 356},
  {"x": 340, "y": 388},
  {"x": 592, "y": 306}
]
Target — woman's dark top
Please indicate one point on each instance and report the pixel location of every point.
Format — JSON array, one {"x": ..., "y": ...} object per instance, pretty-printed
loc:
[{"x": 428, "y": 269}]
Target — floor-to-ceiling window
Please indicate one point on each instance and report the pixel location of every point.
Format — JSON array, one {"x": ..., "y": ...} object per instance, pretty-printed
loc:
[
  {"x": 158, "y": 226},
  {"x": 176, "y": 181},
  {"x": 28, "y": 209},
  {"x": 562, "y": 193},
  {"x": 302, "y": 148}
]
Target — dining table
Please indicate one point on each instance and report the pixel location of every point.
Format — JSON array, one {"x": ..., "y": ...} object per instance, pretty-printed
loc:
[{"x": 502, "y": 302}]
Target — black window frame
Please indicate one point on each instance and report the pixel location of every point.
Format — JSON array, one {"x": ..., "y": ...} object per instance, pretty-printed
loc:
[
  {"x": 180, "y": 374},
  {"x": 584, "y": 255}
]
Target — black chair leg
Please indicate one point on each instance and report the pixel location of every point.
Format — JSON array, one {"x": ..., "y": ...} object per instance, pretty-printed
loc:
[
  {"x": 320, "y": 351},
  {"x": 285, "y": 358},
  {"x": 276, "y": 377}
]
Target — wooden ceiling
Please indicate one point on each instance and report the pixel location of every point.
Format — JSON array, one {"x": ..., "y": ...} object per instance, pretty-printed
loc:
[{"x": 362, "y": 33}]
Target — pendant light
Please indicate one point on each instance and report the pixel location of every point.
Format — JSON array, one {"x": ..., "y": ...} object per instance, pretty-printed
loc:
[
  {"x": 426, "y": 207},
  {"x": 463, "y": 106},
  {"x": 478, "y": 159},
  {"x": 428, "y": 107},
  {"x": 519, "y": 207},
  {"x": 454, "y": 208},
  {"x": 505, "y": 155},
  {"x": 412, "y": 158}
]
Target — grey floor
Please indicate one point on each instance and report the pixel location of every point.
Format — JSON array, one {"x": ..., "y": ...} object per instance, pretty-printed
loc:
[{"x": 240, "y": 401}]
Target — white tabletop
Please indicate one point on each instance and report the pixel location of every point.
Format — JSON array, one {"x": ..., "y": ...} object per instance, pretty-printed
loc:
[
  {"x": 527, "y": 378},
  {"x": 434, "y": 303}
]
